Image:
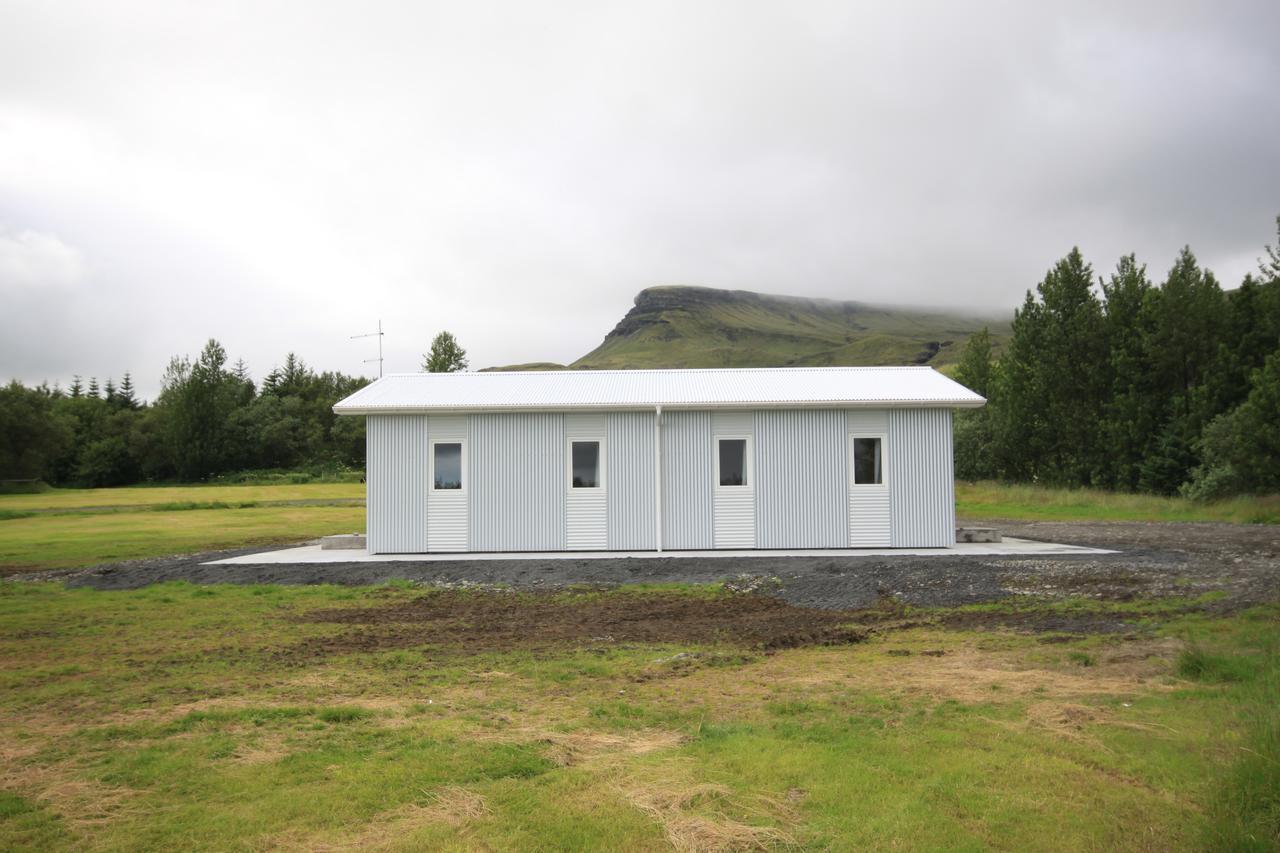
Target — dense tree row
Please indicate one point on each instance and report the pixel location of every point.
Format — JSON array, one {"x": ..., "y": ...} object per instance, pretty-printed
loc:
[
  {"x": 1126, "y": 384},
  {"x": 209, "y": 419}
]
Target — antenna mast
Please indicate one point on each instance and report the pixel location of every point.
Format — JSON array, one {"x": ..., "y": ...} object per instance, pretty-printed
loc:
[{"x": 378, "y": 335}]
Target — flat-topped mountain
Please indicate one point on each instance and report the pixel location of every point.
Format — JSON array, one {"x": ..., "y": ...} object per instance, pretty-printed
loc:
[{"x": 706, "y": 327}]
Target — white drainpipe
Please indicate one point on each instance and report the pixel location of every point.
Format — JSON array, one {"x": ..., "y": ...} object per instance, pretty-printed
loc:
[{"x": 657, "y": 477}]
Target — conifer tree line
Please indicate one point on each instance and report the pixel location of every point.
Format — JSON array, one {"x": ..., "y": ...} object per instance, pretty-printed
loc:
[
  {"x": 1121, "y": 382},
  {"x": 210, "y": 419}
]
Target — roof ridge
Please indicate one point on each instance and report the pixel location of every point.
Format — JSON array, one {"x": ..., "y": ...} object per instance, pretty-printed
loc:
[{"x": 650, "y": 370}]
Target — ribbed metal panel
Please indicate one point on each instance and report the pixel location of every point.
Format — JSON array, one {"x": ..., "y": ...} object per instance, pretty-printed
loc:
[
  {"x": 629, "y": 454},
  {"x": 801, "y": 499},
  {"x": 870, "y": 514},
  {"x": 869, "y": 421},
  {"x": 447, "y": 526},
  {"x": 734, "y": 517},
  {"x": 686, "y": 481},
  {"x": 395, "y": 484},
  {"x": 920, "y": 467},
  {"x": 517, "y": 482}
]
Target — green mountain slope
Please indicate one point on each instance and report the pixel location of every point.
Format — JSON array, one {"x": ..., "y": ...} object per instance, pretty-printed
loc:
[{"x": 705, "y": 327}]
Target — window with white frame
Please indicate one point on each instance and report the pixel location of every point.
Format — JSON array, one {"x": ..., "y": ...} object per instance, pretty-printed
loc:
[
  {"x": 868, "y": 460},
  {"x": 584, "y": 465},
  {"x": 446, "y": 465},
  {"x": 732, "y": 461}
]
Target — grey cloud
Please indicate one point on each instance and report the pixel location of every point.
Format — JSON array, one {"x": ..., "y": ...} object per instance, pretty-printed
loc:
[{"x": 281, "y": 175}]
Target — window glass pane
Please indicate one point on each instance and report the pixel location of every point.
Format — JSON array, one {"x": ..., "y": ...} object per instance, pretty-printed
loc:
[
  {"x": 733, "y": 461},
  {"x": 586, "y": 464},
  {"x": 866, "y": 461},
  {"x": 448, "y": 466}
]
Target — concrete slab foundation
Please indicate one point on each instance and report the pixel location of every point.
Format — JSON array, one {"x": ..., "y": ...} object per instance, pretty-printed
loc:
[{"x": 1010, "y": 547}]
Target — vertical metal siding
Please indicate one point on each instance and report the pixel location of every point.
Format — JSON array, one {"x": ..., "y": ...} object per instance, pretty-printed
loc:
[
  {"x": 920, "y": 467},
  {"x": 447, "y": 526},
  {"x": 396, "y": 484},
  {"x": 586, "y": 510},
  {"x": 800, "y": 466},
  {"x": 870, "y": 511},
  {"x": 630, "y": 504},
  {"x": 517, "y": 482},
  {"x": 686, "y": 481}
]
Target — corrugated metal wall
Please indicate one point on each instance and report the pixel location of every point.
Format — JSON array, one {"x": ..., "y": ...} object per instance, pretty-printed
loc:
[
  {"x": 686, "y": 481},
  {"x": 801, "y": 496},
  {"x": 586, "y": 510},
  {"x": 629, "y": 459},
  {"x": 920, "y": 468},
  {"x": 395, "y": 484},
  {"x": 517, "y": 482},
  {"x": 870, "y": 511}
]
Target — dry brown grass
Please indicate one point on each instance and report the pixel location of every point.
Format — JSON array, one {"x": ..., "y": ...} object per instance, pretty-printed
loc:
[
  {"x": 701, "y": 816},
  {"x": 83, "y": 803},
  {"x": 453, "y": 807},
  {"x": 575, "y": 748}
]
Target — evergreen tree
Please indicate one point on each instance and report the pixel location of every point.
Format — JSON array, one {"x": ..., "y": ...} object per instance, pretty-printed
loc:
[
  {"x": 1242, "y": 448},
  {"x": 1129, "y": 416},
  {"x": 94, "y": 391},
  {"x": 1181, "y": 348},
  {"x": 446, "y": 355},
  {"x": 125, "y": 394},
  {"x": 974, "y": 438},
  {"x": 109, "y": 391},
  {"x": 77, "y": 389},
  {"x": 1054, "y": 379},
  {"x": 975, "y": 367}
]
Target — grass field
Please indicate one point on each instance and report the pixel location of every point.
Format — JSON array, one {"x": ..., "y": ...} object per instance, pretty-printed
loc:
[
  {"x": 62, "y": 528},
  {"x": 182, "y": 717},
  {"x": 1036, "y": 503}
]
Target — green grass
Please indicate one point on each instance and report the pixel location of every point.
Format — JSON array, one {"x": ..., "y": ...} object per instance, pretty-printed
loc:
[
  {"x": 150, "y": 496},
  {"x": 1037, "y": 503},
  {"x": 179, "y": 717},
  {"x": 62, "y": 541},
  {"x": 62, "y": 528}
]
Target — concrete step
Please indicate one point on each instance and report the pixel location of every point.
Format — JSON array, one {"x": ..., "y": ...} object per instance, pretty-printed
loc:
[{"x": 977, "y": 534}]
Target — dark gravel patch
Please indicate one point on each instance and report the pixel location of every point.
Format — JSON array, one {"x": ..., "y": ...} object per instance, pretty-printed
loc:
[{"x": 1156, "y": 560}]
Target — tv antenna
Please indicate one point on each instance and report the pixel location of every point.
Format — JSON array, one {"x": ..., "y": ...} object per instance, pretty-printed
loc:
[{"x": 378, "y": 335}]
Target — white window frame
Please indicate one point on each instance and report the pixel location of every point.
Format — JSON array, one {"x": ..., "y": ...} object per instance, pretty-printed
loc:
[
  {"x": 884, "y": 461},
  {"x": 568, "y": 465},
  {"x": 748, "y": 468},
  {"x": 431, "y": 466}
]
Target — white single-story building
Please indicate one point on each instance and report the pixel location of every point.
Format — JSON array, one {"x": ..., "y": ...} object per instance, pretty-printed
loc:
[{"x": 667, "y": 460}]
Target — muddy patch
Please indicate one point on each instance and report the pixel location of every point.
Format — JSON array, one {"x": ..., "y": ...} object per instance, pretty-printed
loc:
[{"x": 487, "y": 621}]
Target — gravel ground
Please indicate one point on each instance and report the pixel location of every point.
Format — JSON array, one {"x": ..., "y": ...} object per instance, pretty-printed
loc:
[{"x": 1156, "y": 560}]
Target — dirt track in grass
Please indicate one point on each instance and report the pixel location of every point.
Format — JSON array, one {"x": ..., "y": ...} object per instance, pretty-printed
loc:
[{"x": 475, "y": 621}]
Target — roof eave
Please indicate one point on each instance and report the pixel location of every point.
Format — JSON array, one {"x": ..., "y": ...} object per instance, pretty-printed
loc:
[{"x": 648, "y": 407}]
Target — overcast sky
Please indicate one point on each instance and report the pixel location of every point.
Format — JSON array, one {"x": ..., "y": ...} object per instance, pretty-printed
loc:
[{"x": 282, "y": 175}]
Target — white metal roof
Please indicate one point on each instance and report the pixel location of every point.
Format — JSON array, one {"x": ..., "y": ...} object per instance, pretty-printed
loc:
[{"x": 753, "y": 387}]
